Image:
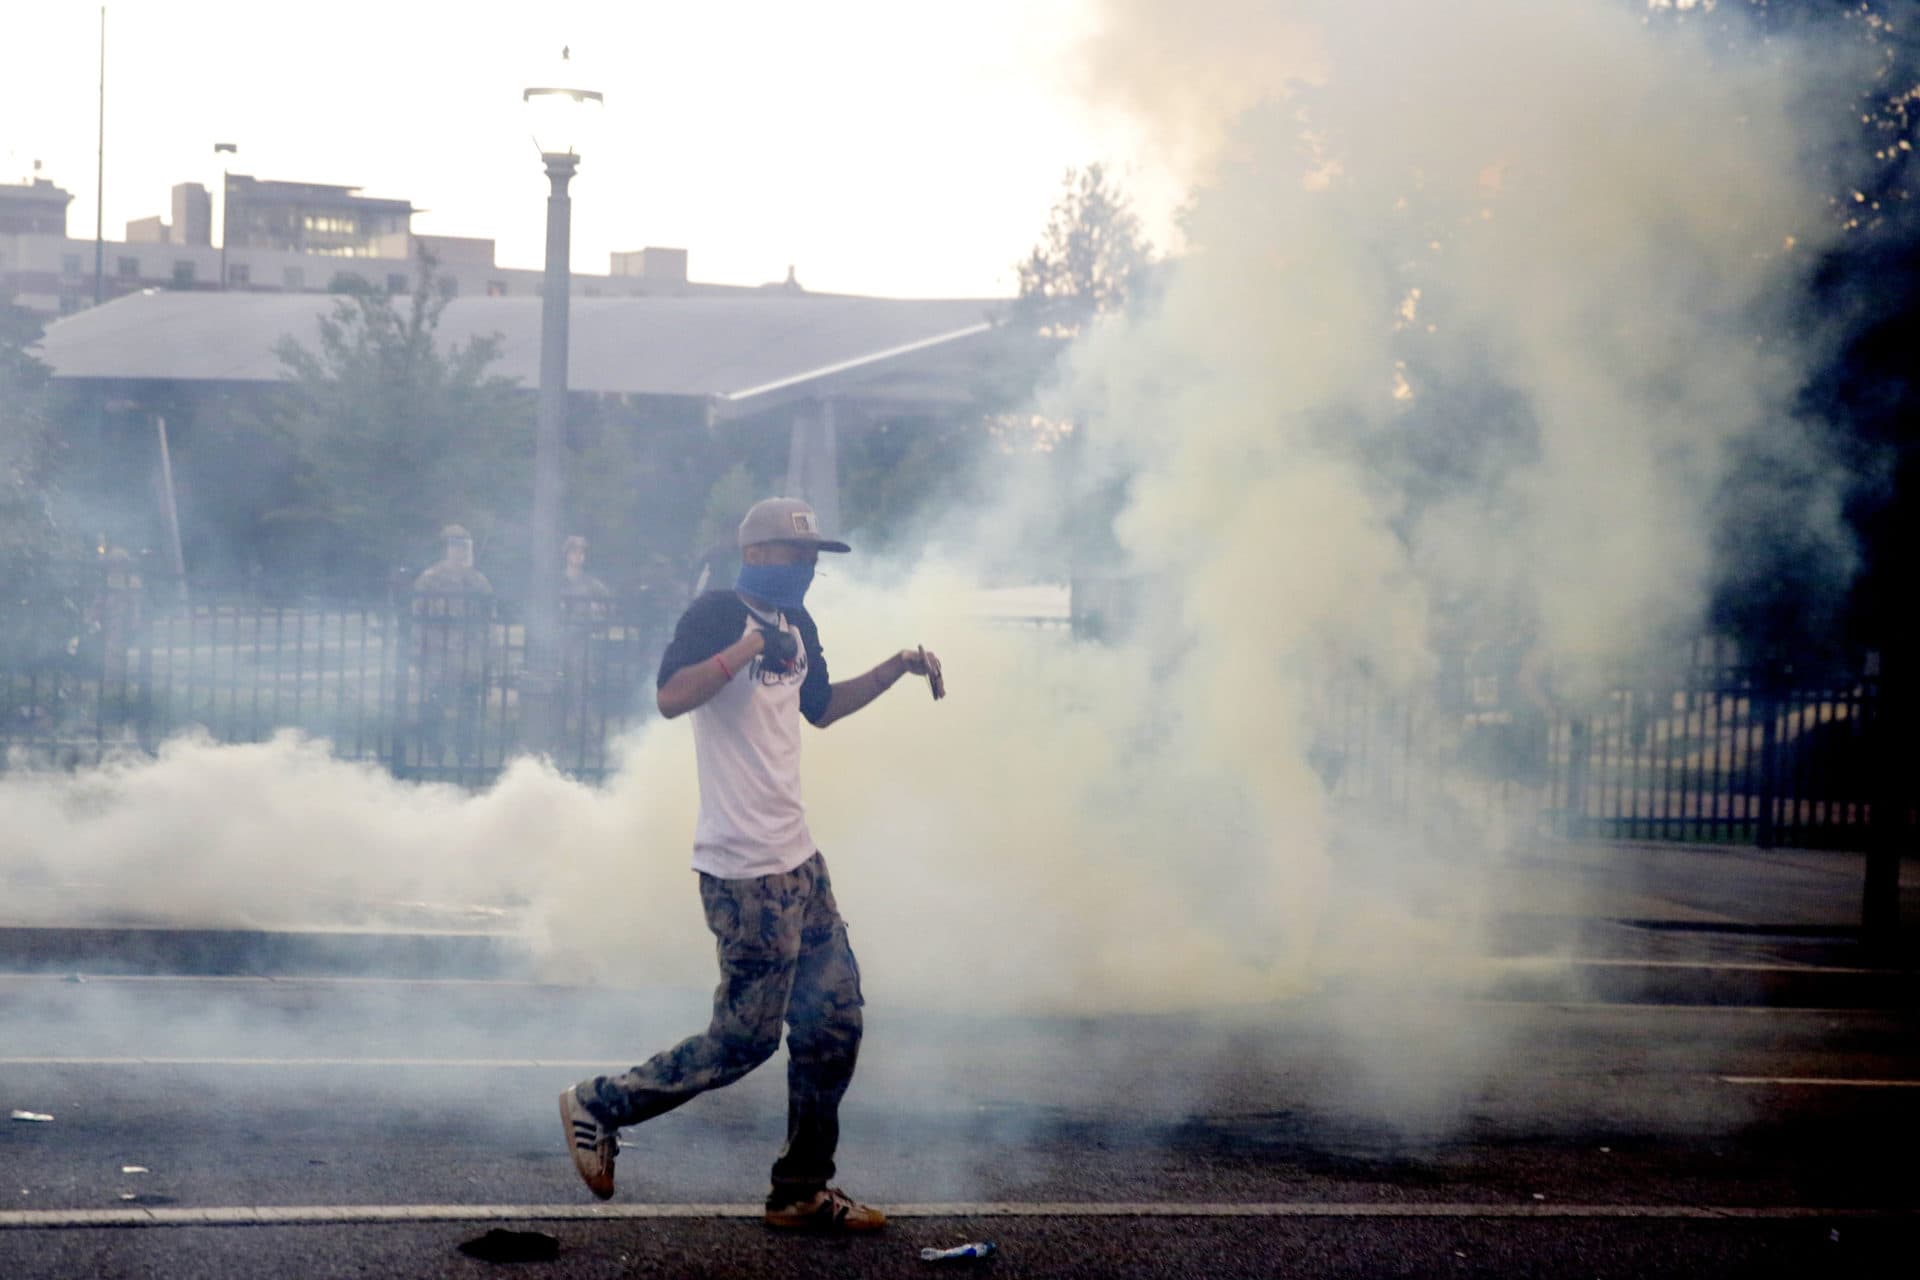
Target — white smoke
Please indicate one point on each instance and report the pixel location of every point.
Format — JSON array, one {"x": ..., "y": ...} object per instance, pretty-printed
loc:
[
  {"x": 1392, "y": 200},
  {"x": 1554, "y": 200}
]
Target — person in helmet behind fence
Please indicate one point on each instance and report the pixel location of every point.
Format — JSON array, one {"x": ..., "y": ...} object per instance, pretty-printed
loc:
[{"x": 452, "y": 608}]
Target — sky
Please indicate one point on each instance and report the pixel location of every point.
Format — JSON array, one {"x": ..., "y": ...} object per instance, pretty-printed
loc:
[{"x": 877, "y": 147}]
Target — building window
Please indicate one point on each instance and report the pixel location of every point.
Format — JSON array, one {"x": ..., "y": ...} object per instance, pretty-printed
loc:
[
  {"x": 347, "y": 282},
  {"x": 239, "y": 273},
  {"x": 294, "y": 278},
  {"x": 327, "y": 225},
  {"x": 129, "y": 268},
  {"x": 496, "y": 288},
  {"x": 449, "y": 287},
  {"x": 69, "y": 302},
  {"x": 396, "y": 282},
  {"x": 69, "y": 264},
  {"x": 183, "y": 271}
]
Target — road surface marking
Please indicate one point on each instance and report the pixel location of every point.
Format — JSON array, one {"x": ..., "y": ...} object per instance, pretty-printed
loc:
[
  {"x": 1715, "y": 966},
  {"x": 83, "y": 977},
  {"x": 1823, "y": 1082},
  {"x": 512, "y": 1063},
  {"x": 1498, "y": 964},
  {"x": 1733, "y": 1010},
  {"x": 575, "y": 1064},
  {"x": 330, "y": 1215}
]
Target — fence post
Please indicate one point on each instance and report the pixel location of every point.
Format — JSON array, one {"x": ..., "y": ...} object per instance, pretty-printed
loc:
[
  {"x": 1579, "y": 753},
  {"x": 1766, "y": 704},
  {"x": 398, "y": 656},
  {"x": 144, "y": 699},
  {"x": 1886, "y": 724}
]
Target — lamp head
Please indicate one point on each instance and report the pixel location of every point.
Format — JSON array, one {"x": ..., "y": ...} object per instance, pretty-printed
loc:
[{"x": 561, "y": 112}]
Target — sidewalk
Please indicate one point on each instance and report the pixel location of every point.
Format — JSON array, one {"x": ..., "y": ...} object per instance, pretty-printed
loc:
[
  {"x": 1651, "y": 923},
  {"x": 1700, "y": 886},
  {"x": 1699, "y": 924}
]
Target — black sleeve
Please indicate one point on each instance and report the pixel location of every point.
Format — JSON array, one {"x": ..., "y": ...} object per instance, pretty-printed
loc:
[
  {"x": 709, "y": 625},
  {"x": 816, "y": 691}
]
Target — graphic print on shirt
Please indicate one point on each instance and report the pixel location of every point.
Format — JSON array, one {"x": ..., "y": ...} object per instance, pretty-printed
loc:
[
  {"x": 717, "y": 619},
  {"x": 763, "y": 673},
  {"x": 752, "y": 820}
]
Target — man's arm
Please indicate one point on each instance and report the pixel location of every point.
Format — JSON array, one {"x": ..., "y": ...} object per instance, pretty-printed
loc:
[
  {"x": 851, "y": 695},
  {"x": 695, "y": 683}
]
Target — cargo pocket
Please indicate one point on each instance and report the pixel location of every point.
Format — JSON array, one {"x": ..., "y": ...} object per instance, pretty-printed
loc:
[{"x": 851, "y": 965}]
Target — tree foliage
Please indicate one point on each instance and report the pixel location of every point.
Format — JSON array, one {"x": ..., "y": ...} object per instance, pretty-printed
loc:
[
  {"x": 396, "y": 434},
  {"x": 637, "y": 481},
  {"x": 1862, "y": 405},
  {"x": 1090, "y": 260},
  {"x": 39, "y": 614}
]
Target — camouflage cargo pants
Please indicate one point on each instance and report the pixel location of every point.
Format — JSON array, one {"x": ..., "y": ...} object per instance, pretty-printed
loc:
[{"x": 784, "y": 956}]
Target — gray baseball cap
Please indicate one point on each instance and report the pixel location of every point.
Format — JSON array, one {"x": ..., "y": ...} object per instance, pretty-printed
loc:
[{"x": 785, "y": 520}]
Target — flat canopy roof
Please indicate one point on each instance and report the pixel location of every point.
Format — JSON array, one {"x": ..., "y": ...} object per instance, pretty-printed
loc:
[{"x": 734, "y": 350}]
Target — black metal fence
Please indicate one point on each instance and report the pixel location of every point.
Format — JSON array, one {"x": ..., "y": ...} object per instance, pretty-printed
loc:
[
  {"x": 430, "y": 684},
  {"x": 1700, "y": 749}
]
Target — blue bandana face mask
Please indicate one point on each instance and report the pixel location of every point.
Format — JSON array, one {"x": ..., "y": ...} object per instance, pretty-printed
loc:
[{"x": 782, "y": 584}]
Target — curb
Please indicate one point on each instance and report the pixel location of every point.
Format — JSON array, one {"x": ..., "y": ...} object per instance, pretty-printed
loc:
[
  {"x": 1679, "y": 982},
  {"x": 262, "y": 952},
  {"x": 351, "y": 953}
]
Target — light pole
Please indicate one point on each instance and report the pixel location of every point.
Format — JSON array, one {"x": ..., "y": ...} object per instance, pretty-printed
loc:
[
  {"x": 100, "y": 179},
  {"x": 226, "y": 180},
  {"x": 559, "y": 114}
]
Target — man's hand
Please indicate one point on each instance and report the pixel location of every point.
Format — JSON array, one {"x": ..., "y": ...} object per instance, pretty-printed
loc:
[
  {"x": 693, "y": 684},
  {"x": 919, "y": 662},
  {"x": 848, "y": 696},
  {"x": 778, "y": 649}
]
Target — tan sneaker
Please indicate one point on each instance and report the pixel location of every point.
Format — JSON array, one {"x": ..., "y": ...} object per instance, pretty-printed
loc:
[
  {"x": 593, "y": 1144},
  {"x": 830, "y": 1212}
]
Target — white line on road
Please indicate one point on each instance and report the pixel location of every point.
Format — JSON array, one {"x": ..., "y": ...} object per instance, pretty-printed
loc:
[
  {"x": 1822, "y": 1082},
  {"x": 328, "y": 1215},
  {"x": 1551, "y": 964},
  {"x": 476, "y": 1064},
  {"x": 1717, "y": 966},
  {"x": 1693, "y": 1010},
  {"x": 84, "y": 978},
  {"x": 577, "y": 1064}
]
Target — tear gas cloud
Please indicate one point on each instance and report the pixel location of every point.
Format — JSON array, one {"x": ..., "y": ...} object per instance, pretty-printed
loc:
[{"x": 1463, "y": 325}]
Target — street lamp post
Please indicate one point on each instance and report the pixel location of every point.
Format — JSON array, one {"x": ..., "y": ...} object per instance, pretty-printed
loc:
[
  {"x": 226, "y": 180},
  {"x": 559, "y": 113}
]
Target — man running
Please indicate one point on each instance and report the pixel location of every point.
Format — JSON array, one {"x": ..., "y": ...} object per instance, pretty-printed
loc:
[{"x": 747, "y": 663}]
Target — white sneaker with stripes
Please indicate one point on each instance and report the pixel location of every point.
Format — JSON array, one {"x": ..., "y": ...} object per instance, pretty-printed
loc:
[{"x": 593, "y": 1144}]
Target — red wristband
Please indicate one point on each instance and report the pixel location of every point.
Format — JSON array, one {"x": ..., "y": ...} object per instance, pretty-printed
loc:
[{"x": 722, "y": 663}]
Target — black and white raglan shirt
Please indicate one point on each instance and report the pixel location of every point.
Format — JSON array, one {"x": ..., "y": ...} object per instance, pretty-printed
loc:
[{"x": 747, "y": 739}]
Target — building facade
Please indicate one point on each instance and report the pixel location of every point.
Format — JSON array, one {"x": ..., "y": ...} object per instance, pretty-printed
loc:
[
  {"x": 284, "y": 237},
  {"x": 36, "y": 208},
  {"x": 54, "y": 275},
  {"x": 309, "y": 218}
]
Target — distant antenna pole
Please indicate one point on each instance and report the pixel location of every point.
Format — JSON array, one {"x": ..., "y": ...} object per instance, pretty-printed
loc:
[{"x": 100, "y": 177}]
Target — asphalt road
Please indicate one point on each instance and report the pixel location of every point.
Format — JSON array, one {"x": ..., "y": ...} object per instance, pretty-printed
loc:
[{"x": 1320, "y": 1139}]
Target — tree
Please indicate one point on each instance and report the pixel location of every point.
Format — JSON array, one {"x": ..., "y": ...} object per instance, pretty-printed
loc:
[
  {"x": 395, "y": 435},
  {"x": 39, "y": 613},
  {"x": 637, "y": 478},
  {"x": 1788, "y": 597},
  {"x": 1868, "y": 290},
  {"x": 1090, "y": 260}
]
